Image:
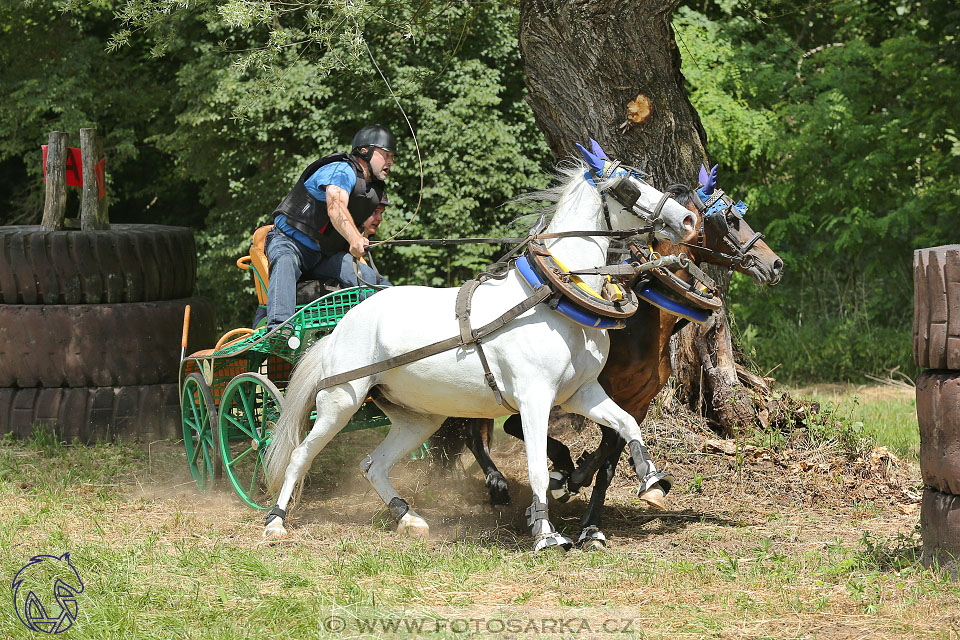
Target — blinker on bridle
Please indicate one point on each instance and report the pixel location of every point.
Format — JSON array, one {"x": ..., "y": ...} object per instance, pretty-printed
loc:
[{"x": 627, "y": 194}]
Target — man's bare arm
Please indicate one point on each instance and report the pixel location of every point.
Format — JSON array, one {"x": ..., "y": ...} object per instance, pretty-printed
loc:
[{"x": 343, "y": 222}]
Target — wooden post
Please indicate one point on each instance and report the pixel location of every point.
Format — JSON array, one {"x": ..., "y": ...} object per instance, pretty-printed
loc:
[
  {"x": 93, "y": 210},
  {"x": 55, "y": 201}
]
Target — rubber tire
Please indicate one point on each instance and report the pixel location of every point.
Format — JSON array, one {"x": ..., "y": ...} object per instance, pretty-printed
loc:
[
  {"x": 103, "y": 345},
  {"x": 233, "y": 444},
  {"x": 936, "y": 315},
  {"x": 206, "y": 475},
  {"x": 140, "y": 413},
  {"x": 938, "y": 415},
  {"x": 940, "y": 528},
  {"x": 126, "y": 263}
]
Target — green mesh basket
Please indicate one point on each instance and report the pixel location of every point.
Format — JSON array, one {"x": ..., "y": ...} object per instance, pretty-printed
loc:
[{"x": 310, "y": 323}]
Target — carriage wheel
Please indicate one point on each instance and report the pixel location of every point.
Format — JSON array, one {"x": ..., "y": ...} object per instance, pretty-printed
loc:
[
  {"x": 249, "y": 410},
  {"x": 198, "y": 413}
]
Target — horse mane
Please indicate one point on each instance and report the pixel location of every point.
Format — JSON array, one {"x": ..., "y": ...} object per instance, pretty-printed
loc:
[{"x": 565, "y": 177}]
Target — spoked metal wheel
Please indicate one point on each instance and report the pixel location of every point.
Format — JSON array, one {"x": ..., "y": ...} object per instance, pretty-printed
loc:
[
  {"x": 198, "y": 413},
  {"x": 249, "y": 410}
]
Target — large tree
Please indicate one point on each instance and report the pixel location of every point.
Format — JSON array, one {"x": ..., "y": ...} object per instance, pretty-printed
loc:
[{"x": 610, "y": 69}]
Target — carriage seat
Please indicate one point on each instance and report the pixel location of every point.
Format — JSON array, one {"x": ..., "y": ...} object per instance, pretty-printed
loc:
[{"x": 256, "y": 261}]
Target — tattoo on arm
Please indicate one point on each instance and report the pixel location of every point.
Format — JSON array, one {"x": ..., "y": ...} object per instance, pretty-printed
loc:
[{"x": 339, "y": 215}]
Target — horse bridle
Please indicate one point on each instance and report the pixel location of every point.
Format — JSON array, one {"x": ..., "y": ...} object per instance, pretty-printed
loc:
[
  {"x": 720, "y": 204},
  {"x": 626, "y": 193}
]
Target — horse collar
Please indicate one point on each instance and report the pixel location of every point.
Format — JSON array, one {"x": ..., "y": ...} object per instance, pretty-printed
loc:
[
  {"x": 572, "y": 297},
  {"x": 694, "y": 301}
]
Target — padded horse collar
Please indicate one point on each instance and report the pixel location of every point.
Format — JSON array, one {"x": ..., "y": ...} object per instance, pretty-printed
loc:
[
  {"x": 694, "y": 300},
  {"x": 568, "y": 285}
]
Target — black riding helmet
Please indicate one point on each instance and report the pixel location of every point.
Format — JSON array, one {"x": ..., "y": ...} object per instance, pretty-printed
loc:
[{"x": 373, "y": 136}]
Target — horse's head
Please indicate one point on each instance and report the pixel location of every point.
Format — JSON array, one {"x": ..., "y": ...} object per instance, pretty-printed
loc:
[
  {"x": 725, "y": 238},
  {"x": 631, "y": 202}
]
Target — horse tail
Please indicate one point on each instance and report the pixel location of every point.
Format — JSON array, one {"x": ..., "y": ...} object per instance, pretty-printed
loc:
[{"x": 294, "y": 421}]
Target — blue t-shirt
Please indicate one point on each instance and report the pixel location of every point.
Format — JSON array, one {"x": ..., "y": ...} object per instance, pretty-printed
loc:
[{"x": 340, "y": 174}]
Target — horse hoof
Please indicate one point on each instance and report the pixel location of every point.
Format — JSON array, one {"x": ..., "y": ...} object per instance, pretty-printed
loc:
[
  {"x": 413, "y": 526},
  {"x": 274, "y": 530},
  {"x": 654, "y": 498},
  {"x": 499, "y": 492},
  {"x": 592, "y": 539},
  {"x": 593, "y": 544},
  {"x": 558, "y": 488},
  {"x": 552, "y": 541}
]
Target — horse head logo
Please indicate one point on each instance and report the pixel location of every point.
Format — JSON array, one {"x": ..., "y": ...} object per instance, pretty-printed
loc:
[{"x": 45, "y": 593}]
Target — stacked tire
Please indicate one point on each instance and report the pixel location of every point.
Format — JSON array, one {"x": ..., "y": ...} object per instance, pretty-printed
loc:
[
  {"x": 90, "y": 330},
  {"x": 936, "y": 346}
]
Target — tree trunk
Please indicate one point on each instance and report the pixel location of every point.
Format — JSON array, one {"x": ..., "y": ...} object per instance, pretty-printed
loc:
[
  {"x": 706, "y": 371},
  {"x": 584, "y": 64}
]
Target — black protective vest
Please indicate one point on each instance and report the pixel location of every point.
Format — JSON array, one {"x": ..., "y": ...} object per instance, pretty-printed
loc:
[{"x": 309, "y": 215}]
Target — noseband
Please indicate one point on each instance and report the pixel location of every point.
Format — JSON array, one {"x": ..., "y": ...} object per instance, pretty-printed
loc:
[{"x": 721, "y": 204}]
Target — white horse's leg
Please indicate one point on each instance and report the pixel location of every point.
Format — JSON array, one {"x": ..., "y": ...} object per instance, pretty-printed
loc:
[
  {"x": 535, "y": 416},
  {"x": 408, "y": 430},
  {"x": 337, "y": 405},
  {"x": 594, "y": 403}
]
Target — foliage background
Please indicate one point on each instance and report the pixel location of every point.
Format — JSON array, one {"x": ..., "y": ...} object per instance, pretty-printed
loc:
[{"x": 835, "y": 121}]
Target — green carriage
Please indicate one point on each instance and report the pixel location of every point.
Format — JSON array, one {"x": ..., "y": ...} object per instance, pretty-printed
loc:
[{"x": 231, "y": 395}]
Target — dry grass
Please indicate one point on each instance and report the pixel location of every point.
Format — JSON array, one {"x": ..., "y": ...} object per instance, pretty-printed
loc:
[{"x": 767, "y": 537}]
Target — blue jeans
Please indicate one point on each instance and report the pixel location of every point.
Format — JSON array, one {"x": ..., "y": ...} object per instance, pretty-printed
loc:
[{"x": 290, "y": 261}]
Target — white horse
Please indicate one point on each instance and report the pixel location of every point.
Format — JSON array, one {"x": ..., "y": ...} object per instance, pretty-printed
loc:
[{"x": 539, "y": 360}]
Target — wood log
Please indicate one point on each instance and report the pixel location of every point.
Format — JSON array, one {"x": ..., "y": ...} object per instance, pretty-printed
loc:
[
  {"x": 93, "y": 210},
  {"x": 936, "y": 321},
  {"x": 55, "y": 200},
  {"x": 940, "y": 528},
  {"x": 938, "y": 417}
]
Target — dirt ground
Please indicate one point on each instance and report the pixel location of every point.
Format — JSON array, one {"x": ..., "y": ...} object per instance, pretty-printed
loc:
[{"x": 799, "y": 493}]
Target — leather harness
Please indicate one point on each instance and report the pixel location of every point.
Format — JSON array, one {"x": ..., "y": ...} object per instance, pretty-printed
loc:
[
  {"x": 467, "y": 336},
  {"x": 559, "y": 282}
]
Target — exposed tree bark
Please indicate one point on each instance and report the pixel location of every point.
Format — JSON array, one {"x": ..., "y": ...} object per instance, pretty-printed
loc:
[
  {"x": 55, "y": 201},
  {"x": 93, "y": 210},
  {"x": 584, "y": 63}
]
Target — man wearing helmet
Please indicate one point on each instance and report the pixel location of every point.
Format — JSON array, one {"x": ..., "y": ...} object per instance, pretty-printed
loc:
[{"x": 317, "y": 226}]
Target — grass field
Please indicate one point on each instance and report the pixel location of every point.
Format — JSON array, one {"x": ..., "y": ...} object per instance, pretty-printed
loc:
[
  {"x": 759, "y": 544},
  {"x": 887, "y": 413}
]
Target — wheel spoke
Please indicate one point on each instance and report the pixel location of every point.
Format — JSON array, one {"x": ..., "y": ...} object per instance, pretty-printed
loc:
[
  {"x": 194, "y": 405},
  {"x": 253, "y": 482},
  {"x": 238, "y": 424},
  {"x": 251, "y": 413},
  {"x": 237, "y": 458}
]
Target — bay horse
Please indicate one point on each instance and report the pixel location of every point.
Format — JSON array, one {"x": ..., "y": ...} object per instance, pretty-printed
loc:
[
  {"x": 639, "y": 363},
  {"x": 536, "y": 361}
]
